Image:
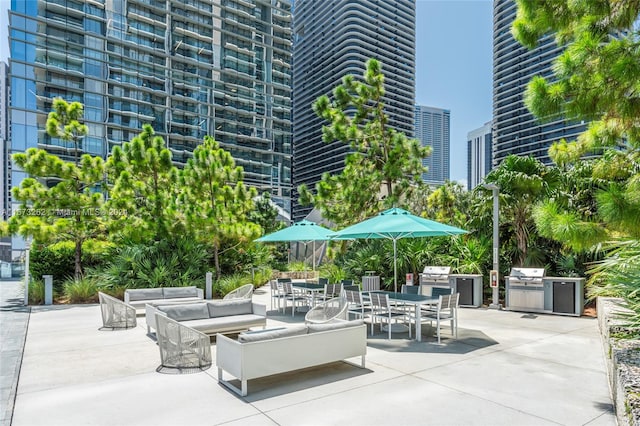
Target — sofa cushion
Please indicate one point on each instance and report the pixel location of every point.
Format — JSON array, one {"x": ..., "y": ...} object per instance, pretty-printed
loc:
[
  {"x": 144, "y": 294},
  {"x": 229, "y": 307},
  {"x": 185, "y": 312},
  {"x": 314, "y": 328},
  {"x": 274, "y": 333},
  {"x": 227, "y": 324},
  {"x": 173, "y": 292}
]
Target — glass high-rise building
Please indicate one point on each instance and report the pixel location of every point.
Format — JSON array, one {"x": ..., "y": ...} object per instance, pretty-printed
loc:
[
  {"x": 478, "y": 155},
  {"x": 516, "y": 130},
  {"x": 433, "y": 129},
  {"x": 189, "y": 68},
  {"x": 333, "y": 39}
]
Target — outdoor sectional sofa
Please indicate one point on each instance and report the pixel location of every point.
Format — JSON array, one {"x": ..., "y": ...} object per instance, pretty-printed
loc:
[
  {"x": 265, "y": 352},
  {"x": 212, "y": 316},
  {"x": 139, "y": 297}
]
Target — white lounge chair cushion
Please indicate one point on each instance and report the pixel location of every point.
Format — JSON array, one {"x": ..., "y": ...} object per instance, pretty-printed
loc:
[
  {"x": 171, "y": 292},
  {"x": 186, "y": 312},
  {"x": 274, "y": 333},
  {"x": 145, "y": 294},
  {"x": 230, "y": 307}
]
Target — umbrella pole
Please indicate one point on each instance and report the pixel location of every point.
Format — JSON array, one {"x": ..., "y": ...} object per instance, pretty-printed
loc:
[
  {"x": 395, "y": 267},
  {"x": 313, "y": 255}
]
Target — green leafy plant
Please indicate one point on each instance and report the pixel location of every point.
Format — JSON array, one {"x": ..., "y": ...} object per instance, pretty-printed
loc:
[
  {"x": 36, "y": 292},
  {"x": 229, "y": 283},
  {"x": 84, "y": 290}
]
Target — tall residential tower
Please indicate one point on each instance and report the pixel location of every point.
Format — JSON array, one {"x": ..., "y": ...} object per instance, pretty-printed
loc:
[
  {"x": 432, "y": 129},
  {"x": 516, "y": 131},
  {"x": 333, "y": 39},
  {"x": 478, "y": 155},
  {"x": 188, "y": 68}
]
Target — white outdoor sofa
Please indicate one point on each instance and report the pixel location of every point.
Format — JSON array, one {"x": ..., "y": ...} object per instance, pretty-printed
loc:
[
  {"x": 265, "y": 352},
  {"x": 138, "y": 297},
  {"x": 212, "y": 316}
]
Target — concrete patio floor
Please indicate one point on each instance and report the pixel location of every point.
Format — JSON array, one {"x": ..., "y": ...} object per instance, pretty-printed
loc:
[{"x": 505, "y": 368}]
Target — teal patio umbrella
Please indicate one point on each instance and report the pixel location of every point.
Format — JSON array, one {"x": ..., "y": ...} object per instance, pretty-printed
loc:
[
  {"x": 303, "y": 231},
  {"x": 394, "y": 224}
]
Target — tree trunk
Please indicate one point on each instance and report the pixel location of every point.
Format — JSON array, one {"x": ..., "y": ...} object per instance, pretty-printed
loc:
[
  {"x": 216, "y": 260},
  {"x": 78, "y": 270}
]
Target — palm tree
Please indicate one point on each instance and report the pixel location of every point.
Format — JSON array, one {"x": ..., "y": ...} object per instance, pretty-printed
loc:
[{"x": 523, "y": 182}]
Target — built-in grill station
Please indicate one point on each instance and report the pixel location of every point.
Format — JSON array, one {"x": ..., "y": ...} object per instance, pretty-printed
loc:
[
  {"x": 468, "y": 285},
  {"x": 437, "y": 276},
  {"x": 528, "y": 289}
]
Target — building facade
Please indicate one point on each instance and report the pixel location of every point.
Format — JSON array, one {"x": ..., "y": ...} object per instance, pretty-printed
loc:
[
  {"x": 5, "y": 164},
  {"x": 188, "y": 68},
  {"x": 516, "y": 130},
  {"x": 478, "y": 155},
  {"x": 336, "y": 38},
  {"x": 432, "y": 128}
]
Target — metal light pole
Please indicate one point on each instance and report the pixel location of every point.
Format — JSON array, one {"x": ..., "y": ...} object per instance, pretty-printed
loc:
[{"x": 494, "y": 278}]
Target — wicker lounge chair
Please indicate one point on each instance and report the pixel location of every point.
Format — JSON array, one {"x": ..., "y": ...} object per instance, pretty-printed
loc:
[
  {"x": 242, "y": 292},
  {"x": 181, "y": 347},
  {"x": 328, "y": 311},
  {"x": 115, "y": 313}
]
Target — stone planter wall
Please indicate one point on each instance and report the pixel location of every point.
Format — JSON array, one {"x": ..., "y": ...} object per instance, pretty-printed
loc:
[{"x": 623, "y": 360}]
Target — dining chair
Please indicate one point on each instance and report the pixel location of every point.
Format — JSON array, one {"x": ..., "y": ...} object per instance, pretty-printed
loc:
[
  {"x": 446, "y": 310},
  {"x": 409, "y": 289},
  {"x": 292, "y": 295},
  {"x": 323, "y": 281},
  {"x": 331, "y": 291},
  {"x": 356, "y": 305},
  {"x": 382, "y": 309},
  {"x": 277, "y": 292}
]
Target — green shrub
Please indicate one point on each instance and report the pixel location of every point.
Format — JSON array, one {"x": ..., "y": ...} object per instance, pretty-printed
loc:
[
  {"x": 58, "y": 259},
  {"x": 84, "y": 290},
  {"x": 36, "y": 292},
  {"x": 332, "y": 271},
  {"x": 230, "y": 282},
  {"x": 175, "y": 263},
  {"x": 261, "y": 276},
  {"x": 297, "y": 267}
]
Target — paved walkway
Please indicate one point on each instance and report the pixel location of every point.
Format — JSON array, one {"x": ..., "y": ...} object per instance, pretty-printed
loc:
[
  {"x": 506, "y": 368},
  {"x": 14, "y": 318}
]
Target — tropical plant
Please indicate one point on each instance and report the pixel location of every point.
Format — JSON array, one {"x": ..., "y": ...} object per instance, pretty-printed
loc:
[
  {"x": 383, "y": 167},
  {"x": 333, "y": 272},
  {"x": 178, "y": 262},
  {"x": 523, "y": 182},
  {"x": 36, "y": 292},
  {"x": 58, "y": 259},
  {"x": 229, "y": 283},
  {"x": 594, "y": 79},
  {"x": 84, "y": 290}
]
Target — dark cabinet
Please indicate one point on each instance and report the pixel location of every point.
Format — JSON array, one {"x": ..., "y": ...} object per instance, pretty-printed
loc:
[
  {"x": 564, "y": 299},
  {"x": 465, "y": 288}
]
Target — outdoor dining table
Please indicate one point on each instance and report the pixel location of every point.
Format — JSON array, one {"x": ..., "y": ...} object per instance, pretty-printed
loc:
[
  {"x": 309, "y": 288},
  {"x": 417, "y": 300}
]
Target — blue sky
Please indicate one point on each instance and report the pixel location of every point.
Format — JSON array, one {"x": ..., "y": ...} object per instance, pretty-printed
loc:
[{"x": 453, "y": 65}]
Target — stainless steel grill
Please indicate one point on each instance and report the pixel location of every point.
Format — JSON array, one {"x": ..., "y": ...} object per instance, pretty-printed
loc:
[
  {"x": 526, "y": 289},
  {"x": 435, "y": 275},
  {"x": 530, "y": 277}
]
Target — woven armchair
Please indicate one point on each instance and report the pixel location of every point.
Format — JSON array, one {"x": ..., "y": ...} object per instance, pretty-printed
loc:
[
  {"x": 181, "y": 347},
  {"x": 328, "y": 311},
  {"x": 242, "y": 292},
  {"x": 116, "y": 313}
]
